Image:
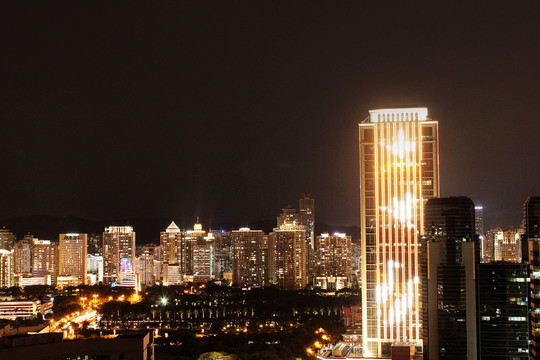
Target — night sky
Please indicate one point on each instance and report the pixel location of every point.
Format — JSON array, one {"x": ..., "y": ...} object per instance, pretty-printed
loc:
[{"x": 229, "y": 111}]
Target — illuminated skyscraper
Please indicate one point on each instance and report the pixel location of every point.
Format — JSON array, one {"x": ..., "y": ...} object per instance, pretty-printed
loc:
[
  {"x": 45, "y": 259},
  {"x": 170, "y": 244},
  {"x": 118, "y": 252},
  {"x": 250, "y": 257},
  {"x": 6, "y": 268},
  {"x": 333, "y": 261},
  {"x": 307, "y": 217},
  {"x": 506, "y": 245},
  {"x": 399, "y": 172},
  {"x": 72, "y": 259},
  {"x": 7, "y": 239},
  {"x": 23, "y": 255},
  {"x": 288, "y": 243}
]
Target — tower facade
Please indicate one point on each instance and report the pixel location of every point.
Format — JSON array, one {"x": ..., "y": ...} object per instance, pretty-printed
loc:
[
  {"x": 450, "y": 258},
  {"x": 399, "y": 172},
  {"x": 250, "y": 257},
  {"x": 170, "y": 244},
  {"x": 72, "y": 260},
  {"x": 7, "y": 239},
  {"x": 118, "y": 252}
]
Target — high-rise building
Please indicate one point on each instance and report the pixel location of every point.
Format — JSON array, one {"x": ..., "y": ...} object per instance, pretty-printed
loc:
[
  {"x": 531, "y": 241},
  {"x": 170, "y": 240},
  {"x": 72, "y": 259},
  {"x": 306, "y": 217},
  {"x": 531, "y": 217},
  {"x": 288, "y": 244},
  {"x": 146, "y": 268},
  {"x": 479, "y": 220},
  {"x": 118, "y": 252},
  {"x": 250, "y": 257},
  {"x": 223, "y": 256},
  {"x": 23, "y": 255},
  {"x": 6, "y": 268},
  {"x": 488, "y": 245},
  {"x": 502, "y": 298},
  {"x": 506, "y": 245},
  {"x": 333, "y": 261},
  {"x": 203, "y": 258},
  {"x": 95, "y": 243},
  {"x": 45, "y": 259},
  {"x": 399, "y": 172},
  {"x": 450, "y": 255},
  {"x": 7, "y": 239},
  {"x": 94, "y": 269}
]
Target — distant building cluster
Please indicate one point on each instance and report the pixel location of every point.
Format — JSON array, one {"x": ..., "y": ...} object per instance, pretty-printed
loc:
[{"x": 290, "y": 256}]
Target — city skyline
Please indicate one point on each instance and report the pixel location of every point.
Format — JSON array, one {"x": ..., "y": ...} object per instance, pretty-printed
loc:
[{"x": 181, "y": 111}]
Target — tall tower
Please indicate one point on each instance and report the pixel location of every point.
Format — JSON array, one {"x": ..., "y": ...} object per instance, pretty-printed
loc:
[
  {"x": 72, "y": 259},
  {"x": 307, "y": 217},
  {"x": 170, "y": 244},
  {"x": 449, "y": 279},
  {"x": 399, "y": 172},
  {"x": 531, "y": 241},
  {"x": 118, "y": 252}
]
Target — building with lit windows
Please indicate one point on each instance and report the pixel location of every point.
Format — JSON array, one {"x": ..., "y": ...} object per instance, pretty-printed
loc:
[
  {"x": 450, "y": 256},
  {"x": 531, "y": 237},
  {"x": 118, "y": 249},
  {"x": 203, "y": 258},
  {"x": 306, "y": 217},
  {"x": 288, "y": 241},
  {"x": 502, "y": 298},
  {"x": 6, "y": 268},
  {"x": 250, "y": 257},
  {"x": 170, "y": 240},
  {"x": 23, "y": 255},
  {"x": 7, "y": 239},
  {"x": 72, "y": 258},
  {"x": 333, "y": 261},
  {"x": 506, "y": 245},
  {"x": 399, "y": 172},
  {"x": 45, "y": 259}
]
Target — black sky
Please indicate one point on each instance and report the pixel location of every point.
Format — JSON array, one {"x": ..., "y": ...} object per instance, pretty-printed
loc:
[{"x": 229, "y": 110}]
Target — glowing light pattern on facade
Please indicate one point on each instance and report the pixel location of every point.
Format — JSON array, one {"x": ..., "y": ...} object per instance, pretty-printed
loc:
[{"x": 398, "y": 172}]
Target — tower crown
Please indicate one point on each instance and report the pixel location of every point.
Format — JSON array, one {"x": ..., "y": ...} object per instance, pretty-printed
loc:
[{"x": 398, "y": 114}]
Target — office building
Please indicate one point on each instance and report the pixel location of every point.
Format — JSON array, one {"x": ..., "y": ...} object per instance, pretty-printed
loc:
[
  {"x": 23, "y": 255},
  {"x": 45, "y": 259},
  {"x": 288, "y": 241},
  {"x": 531, "y": 237},
  {"x": 506, "y": 245},
  {"x": 7, "y": 268},
  {"x": 250, "y": 257},
  {"x": 72, "y": 258},
  {"x": 95, "y": 269},
  {"x": 488, "y": 245},
  {"x": 170, "y": 240},
  {"x": 203, "y": 258},
  {"x": 146, "y": 268},
  {"x": 306, "y": 217},
  {"x": 450, "y": 255},
  {"x": 502, "y": 299},
  {"x": 95, "y": 243},
  {"x": 333, "y": 261},
  {"x": 118, "y": 244},
  {"x": 399, "y": 172},
  {"x": 7, "y": 239}
]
